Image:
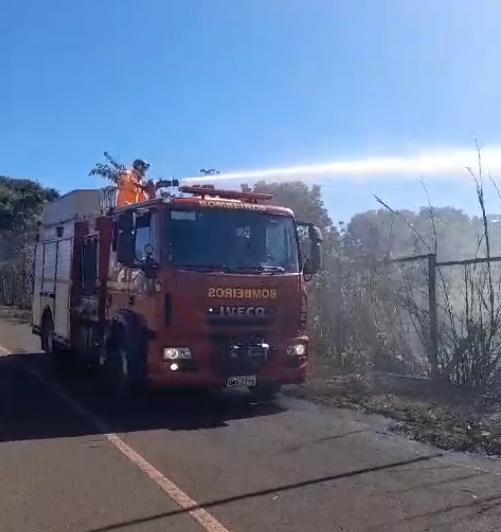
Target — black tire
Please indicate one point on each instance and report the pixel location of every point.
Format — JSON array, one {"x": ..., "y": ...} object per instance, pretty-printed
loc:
[
  {"x": 126, "y": 363},
  {"x": 59, "y": 358}
]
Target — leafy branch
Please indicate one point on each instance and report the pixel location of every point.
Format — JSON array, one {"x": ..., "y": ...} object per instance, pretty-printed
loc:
[{"x": 110, "y": 170}]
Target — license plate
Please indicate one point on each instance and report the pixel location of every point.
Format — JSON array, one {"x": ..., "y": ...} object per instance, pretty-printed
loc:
[{"x": 246, "y": 380}]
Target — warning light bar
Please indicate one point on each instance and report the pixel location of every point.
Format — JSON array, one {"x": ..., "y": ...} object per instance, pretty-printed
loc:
[{"x": 209, "y": 190}]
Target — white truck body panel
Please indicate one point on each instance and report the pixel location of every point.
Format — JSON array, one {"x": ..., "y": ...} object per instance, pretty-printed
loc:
[
  {"x": 63, "y": 287},
  {"x": 49, "y": 267},
  {"x": 54, "y": 256},
  {"x": 37, "y": 283},
  {"x": 52, "y": 283}
]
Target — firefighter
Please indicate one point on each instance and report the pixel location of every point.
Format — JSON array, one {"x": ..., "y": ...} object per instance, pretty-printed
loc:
[{"x": 132, "y": 187}]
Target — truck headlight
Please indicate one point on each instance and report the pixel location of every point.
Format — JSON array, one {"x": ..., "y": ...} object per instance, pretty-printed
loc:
[
  {"x": 177, "y": 353},
  {"x": 296, "y": 350}
]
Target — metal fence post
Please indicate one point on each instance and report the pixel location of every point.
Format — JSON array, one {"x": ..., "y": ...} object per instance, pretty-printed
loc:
[{"x": 432, "y": 301}]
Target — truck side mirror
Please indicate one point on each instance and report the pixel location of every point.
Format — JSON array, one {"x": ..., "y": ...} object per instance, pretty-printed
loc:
[
  {"x": 314, "y": 265},
  {"x": 126, "y": 239}
]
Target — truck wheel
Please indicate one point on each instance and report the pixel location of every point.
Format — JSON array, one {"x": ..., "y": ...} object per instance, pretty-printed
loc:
[
  {"x": 58, "y": 357},
  {"x": 125, "y": 365}
]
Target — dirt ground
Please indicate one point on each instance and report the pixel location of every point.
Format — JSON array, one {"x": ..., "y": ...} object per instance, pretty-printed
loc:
[{"x": 440, "y": 414}]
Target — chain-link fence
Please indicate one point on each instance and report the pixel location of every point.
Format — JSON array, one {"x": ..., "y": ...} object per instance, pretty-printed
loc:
[
  {"x": 418, "y": 316},
  {"x": 374, "y": 314},
  {"x": 469, "y": 317}
]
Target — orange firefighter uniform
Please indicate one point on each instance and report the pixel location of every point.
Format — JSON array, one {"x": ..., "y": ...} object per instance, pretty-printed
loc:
[{"x": 131, "y": 189}]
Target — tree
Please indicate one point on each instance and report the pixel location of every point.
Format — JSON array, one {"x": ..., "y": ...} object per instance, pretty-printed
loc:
[
  {"x": 21, "y": 202},
  {"x": 306, "y": 202},
  {"x": 21, "y": 206}
]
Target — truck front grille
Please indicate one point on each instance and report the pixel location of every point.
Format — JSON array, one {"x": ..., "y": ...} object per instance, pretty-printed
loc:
[
  {"x": 238, "y": 322},
  {"x": 241, "y": 356}
]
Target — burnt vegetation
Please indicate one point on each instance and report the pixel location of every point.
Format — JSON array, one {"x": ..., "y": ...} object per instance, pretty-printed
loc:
[{"x": 370, "y": 307}]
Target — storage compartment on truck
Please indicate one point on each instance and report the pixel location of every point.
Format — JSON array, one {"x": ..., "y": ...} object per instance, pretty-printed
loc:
[{"x": 53, "y": 257}]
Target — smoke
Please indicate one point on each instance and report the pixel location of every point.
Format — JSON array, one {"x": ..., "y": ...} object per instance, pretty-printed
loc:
[{"x": 448, "y": 165}]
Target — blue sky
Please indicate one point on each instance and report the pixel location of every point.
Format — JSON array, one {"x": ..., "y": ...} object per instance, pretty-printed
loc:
[{"x": 249, "y": 85}]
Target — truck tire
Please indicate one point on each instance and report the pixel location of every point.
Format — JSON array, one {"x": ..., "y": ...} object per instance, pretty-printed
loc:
[
  {"x": 59, "y": 359},
  {"x": 126, "y": 363}
]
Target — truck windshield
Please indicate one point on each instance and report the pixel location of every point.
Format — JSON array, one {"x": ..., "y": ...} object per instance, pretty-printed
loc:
[{"x": 232, "y": 241}]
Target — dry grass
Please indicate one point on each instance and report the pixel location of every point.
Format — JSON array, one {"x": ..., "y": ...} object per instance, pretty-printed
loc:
[
  {"x": 440, "y": 414},
  {"x": 14, "y": 314}
]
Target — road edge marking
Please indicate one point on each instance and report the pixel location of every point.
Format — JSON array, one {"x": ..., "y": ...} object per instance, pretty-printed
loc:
[{"x": 181, "y": 498}]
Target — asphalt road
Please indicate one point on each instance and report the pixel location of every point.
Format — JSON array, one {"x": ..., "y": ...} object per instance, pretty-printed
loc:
[{"x": 74, "y": 459}]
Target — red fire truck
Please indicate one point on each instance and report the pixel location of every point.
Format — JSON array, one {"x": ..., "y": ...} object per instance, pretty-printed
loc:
[{"x": 199, "y": 288}]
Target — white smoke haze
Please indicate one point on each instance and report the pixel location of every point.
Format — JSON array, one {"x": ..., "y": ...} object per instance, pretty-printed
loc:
[{"x": 444, "y": 164}]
